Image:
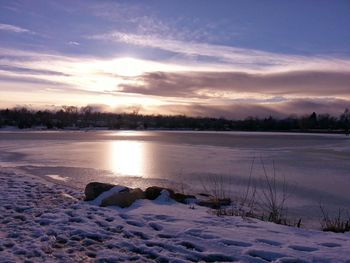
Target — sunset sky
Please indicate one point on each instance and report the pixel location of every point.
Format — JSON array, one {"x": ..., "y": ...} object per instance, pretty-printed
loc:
[{"x": 195, "y": 57}]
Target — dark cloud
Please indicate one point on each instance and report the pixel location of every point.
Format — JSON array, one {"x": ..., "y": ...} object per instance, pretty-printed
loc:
[
  {"x": 298, "y": 107},
  {"x": 321, "y": 106},
  {"x": 212, "y": 84},
  {"x": 232, "y": 111}
]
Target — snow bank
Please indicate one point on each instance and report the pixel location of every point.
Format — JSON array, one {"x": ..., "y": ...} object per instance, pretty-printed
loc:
[{"x": 42, "y": 222}]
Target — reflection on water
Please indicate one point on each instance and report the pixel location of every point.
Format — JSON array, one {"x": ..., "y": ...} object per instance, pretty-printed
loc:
[
  {"x": 128, "y": 133},
  {"x": 127, "y": 158}
]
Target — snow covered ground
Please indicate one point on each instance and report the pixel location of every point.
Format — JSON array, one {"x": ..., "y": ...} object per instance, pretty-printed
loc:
[{"x": 46, "y": 222}]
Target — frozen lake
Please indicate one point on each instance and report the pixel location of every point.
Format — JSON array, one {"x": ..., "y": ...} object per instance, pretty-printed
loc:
[{"x": 316, "y": 167}]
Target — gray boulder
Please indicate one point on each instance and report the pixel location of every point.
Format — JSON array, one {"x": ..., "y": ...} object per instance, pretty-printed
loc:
[
  {"x": 94, "y": 189},
  {"x": 153, "y": 192},
  {"x": 123, "y": 199}
]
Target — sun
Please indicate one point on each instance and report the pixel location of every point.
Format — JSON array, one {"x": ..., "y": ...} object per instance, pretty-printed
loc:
[
  {"x": 131, "y": 67},
  {"x": 127, "y": 66}
]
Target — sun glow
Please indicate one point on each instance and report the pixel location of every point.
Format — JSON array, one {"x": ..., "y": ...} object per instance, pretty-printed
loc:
[
  {"x": 131, "y": 67},
  {"x": 127, "y": 158}
]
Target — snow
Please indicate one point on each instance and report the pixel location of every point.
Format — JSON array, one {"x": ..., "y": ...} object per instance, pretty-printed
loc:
[{"x": 45, "y": 222}]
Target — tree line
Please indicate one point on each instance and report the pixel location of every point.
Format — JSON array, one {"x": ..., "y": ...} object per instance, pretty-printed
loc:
[{"x": 87, "y": 117}]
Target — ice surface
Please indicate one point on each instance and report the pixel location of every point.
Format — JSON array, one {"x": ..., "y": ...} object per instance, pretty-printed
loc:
[{"x": 316, "y": 167}]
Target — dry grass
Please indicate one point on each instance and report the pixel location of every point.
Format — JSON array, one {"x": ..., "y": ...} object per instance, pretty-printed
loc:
[
  {"x": 338, "y": 223},
  {"x": 272, "y": 200},
  {"x": 216, "y": 186}
]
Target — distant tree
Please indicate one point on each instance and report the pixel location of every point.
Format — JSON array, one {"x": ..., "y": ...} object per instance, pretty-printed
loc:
[
  {"x": 308, "y": 122},
  {"x": 70, "y": 116},
  {"x": 327, "y": 122},
  {"x": 87, "y": 110},
  {"x": 345, "y": 120},
  {"x": 70, "y": 109},
  {"x": 313, "y": 121}
]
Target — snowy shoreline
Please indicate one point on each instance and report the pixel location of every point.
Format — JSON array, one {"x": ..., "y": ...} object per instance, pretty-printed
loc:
[{"x": 44, "y": 222}]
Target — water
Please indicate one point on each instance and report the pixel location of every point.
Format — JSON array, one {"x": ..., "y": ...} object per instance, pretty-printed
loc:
[{"x": 315, "y": 167}]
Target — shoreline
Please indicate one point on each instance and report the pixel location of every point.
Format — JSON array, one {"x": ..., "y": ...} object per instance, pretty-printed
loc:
[
  {"x": 105, "y": 129},
  {"x": 48, "y": 222}
]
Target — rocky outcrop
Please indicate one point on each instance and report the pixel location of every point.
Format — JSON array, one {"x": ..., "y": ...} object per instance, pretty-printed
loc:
[{"x": 127, "y": 196}]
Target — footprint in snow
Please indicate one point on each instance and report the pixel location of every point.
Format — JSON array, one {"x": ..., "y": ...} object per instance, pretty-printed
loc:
[
  {"x": 235, "y": 243},
  {"x": 101, "y": 223},
  {"x": 291, "y": 260},
  {"x": 265, "y": 255},
  {"x": 329, "y": 244},
  {"x": 165, "y": 218},
  {"x": 155, "y": 226},
  {"x": 190, "y": 246},
  {"x": 117, "y": 229},
  {"x": 76, "y": 220},
  {"x": 124, "y": 216},
  {"x": 109, "y": 219},
  {"x": 217, "y": 258},
  {"x": 127, "y": 234},
  {"x": 134, "y": 223},
  {"x": 199, "y": 234},
  {"x": 141, "y": 235},
  {"x": 166, "y": 236},
  {"x": 269, "y": 242},
  {"x": 303, "y": 248}
]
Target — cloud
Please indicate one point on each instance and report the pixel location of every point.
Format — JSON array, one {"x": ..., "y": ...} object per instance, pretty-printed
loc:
[
  {"x": 298, "y": 107},
  {"x": 34, "y": 77},
  {"x": 14, "y": 29},
  {"x": 73, "y": 43},
  {"x": 229, "y": 84},
  {"x": 234, "y": 57}
]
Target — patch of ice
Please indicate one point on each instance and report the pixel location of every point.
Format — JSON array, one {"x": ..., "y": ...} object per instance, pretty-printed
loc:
[{"x": 58, "y": 177}]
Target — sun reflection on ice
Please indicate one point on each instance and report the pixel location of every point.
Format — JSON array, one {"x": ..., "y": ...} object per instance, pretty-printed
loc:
[{"x": 127, "y": 158}]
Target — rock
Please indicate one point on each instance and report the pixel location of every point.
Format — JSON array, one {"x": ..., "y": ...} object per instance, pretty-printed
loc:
[
  {"x": 205, "y": 195},
  {"x": 181, "y": 198},
  {"x": 94, "y": 189},
  {"x": 215, "y": 203},
  {"x": 153, "y": 192},
  {"x": 123, "y": 199}
]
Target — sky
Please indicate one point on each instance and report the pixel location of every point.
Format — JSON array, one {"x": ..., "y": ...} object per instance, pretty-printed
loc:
[{"x": 224, "y": 58}]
